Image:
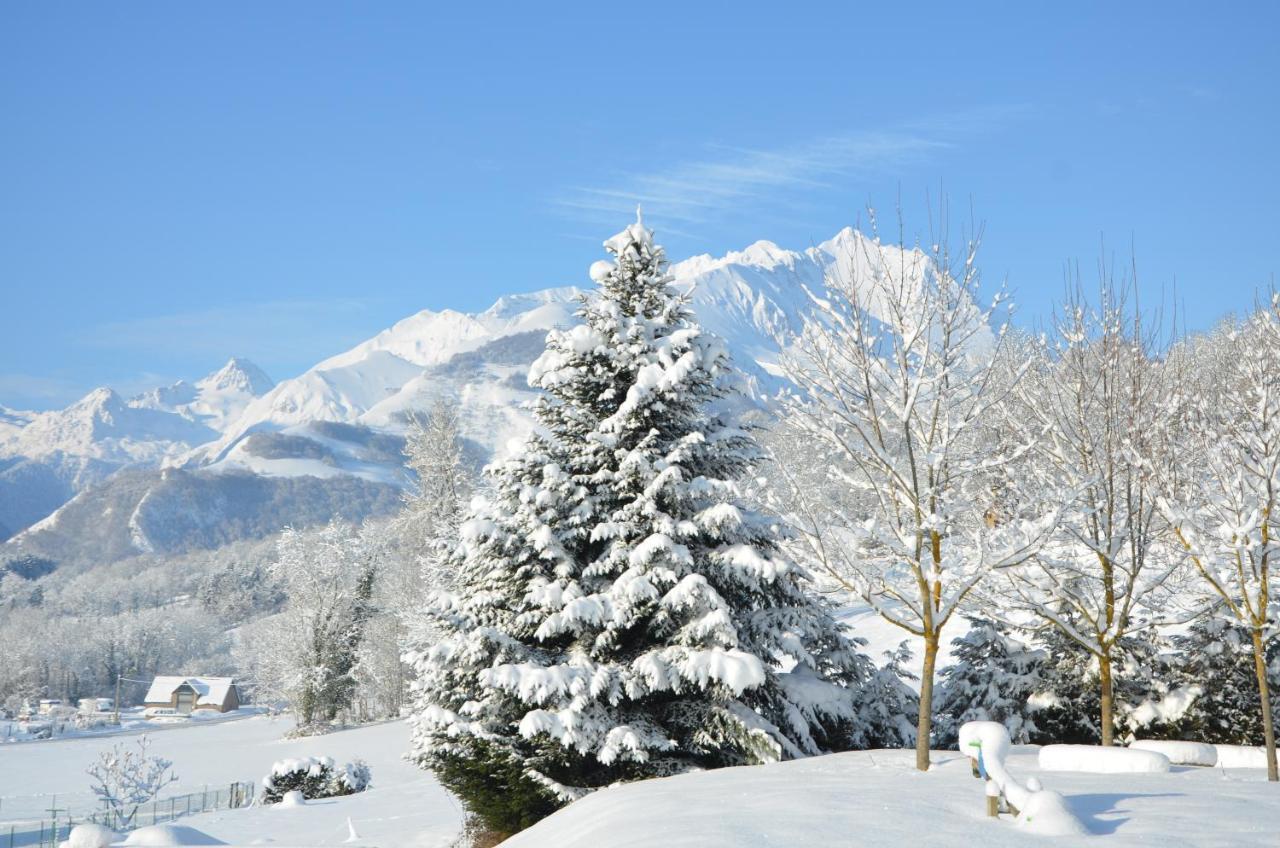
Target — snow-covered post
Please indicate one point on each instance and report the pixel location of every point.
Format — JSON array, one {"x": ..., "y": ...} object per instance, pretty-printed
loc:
[
  {"x": 1099, "y": 405},
  {"x": 899, "y": 373},
  {"x": 1225, "y": 512}
]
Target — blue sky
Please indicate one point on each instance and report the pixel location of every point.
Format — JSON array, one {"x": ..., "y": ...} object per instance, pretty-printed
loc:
[{"x": 180, "y": 183}]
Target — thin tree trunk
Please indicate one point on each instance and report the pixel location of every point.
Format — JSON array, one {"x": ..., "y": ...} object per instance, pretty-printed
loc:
[
  {"x": 1104, "y": 678},
  {"x": 1268, "y": 727},
  {"x": 925, "y": 726}
]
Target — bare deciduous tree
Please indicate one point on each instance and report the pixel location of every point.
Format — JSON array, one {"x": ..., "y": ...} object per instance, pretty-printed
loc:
[
  {"x": 1225, "y": 513},
  {"x": 898, "y": 372}
]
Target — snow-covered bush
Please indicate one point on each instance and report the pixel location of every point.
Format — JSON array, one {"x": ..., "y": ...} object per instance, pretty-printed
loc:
[
  {"x": 623, "y": 607},
  {"x": 125, "y": 779},
  {"x": 314, "y": 777}
]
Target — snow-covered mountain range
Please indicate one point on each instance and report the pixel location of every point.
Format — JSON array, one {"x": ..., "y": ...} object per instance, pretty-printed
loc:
[{"x": 345, "y": 418}]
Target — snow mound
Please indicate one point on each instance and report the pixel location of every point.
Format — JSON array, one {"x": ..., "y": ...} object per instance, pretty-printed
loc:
[
  {"x": 1047, "y": 814},
  {"x": 1241, "y": 756},
  {"x": 292, "y": 798},
  {"x": 1100, "y": 760},
  {"x": 166, "y": 835},
  {"x": 89, "y": 836},
  {"x": 1179, "y": 753}
]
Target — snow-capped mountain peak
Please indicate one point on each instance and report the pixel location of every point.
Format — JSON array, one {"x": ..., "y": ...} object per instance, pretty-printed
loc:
[{"x": 238, "y": 375}]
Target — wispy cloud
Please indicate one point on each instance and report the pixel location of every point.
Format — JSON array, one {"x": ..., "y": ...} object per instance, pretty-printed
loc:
[
  {"x": 279, "y": 330},
  {"x": 728, "y": 179},
  {"x": 35, "y": 391}
]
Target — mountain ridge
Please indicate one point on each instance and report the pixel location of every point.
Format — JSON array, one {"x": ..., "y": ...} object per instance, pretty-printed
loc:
[{"x": 346, "y": 416}]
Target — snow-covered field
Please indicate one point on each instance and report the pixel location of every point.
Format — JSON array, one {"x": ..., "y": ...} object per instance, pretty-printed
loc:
[
  {"x": 405, "y": 806},
  {"x": 860, "y": 798}
]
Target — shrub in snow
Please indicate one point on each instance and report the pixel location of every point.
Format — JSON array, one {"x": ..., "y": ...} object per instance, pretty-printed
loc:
[
  {"x": 622, "y": 606},
  {"x": 993, "y": 679},
  {"x": 1100, "y": 760},
  {"x": 1066, "y": 704},
  {"x": 125, "y": 779},
  {"x": 314, "y": 777},
  {"x": 1180, "y": 753}
]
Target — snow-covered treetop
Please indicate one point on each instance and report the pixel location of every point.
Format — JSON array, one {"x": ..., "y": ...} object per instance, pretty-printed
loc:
[{"x": 622, "y": 604}]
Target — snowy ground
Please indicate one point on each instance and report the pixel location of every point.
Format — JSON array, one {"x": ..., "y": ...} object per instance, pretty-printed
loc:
[
  {"x": 878, "y": 798},
  {"x": 405, "y": 806},
  {"x": 861, "y": 798}
]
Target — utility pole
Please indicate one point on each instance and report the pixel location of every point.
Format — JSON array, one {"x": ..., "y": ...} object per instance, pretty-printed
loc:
[{"x": 117, "y": 703}]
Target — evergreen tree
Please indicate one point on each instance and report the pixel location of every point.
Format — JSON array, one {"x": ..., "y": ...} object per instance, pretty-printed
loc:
[
  {"x": 993, "y": 679},
  {"x": 888, "y": 708},
  {"x": 621, "y": 607},
  {"x": 1067, "y": 703},
  {"x": 1215, "y": 673}
]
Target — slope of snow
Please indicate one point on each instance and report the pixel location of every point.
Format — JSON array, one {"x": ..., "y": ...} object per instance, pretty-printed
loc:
[
  {"x": 13, "y": 420},
  {"x": 878, "y": 798}
]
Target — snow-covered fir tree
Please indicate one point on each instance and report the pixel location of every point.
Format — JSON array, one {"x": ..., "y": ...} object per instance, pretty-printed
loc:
[
  {"x": 1215, "y": 677},
  {"x": 622, "y": 609},
  {"x": 992, "y": 679},
  {"x": 420, "y": 540},
  {"x": 1066, "y": 704},
  {"x": 888, "y": 708}
]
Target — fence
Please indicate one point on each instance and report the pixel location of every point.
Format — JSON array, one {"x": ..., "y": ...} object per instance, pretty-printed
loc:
[{"x": 51, "y": 831}]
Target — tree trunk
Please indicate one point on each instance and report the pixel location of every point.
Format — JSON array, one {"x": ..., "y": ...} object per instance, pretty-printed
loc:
[
  {"x": 1104, "y": 679},
  {"x": 925, "y": 726},
  {"x": 1268, "y": 726}
]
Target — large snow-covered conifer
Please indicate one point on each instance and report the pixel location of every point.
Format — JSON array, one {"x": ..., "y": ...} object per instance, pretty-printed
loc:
[{"x": 622, "y": 609}]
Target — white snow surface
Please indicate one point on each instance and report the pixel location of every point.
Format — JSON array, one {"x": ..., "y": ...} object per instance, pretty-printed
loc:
[
  {"x": 877, "y": 798},
  {"x": 167, "y": 835},
  {"x": 1099, "y": 760},
  {"x": 1180, "y": 753},
  {"x": 89, "y": 835},
  {"x": 1241, "y": 756},
  {"x": 862, "y": 798},
  {"x": 404, "y": 806}
]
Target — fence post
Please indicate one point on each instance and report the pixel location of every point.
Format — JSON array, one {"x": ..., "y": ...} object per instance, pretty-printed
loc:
[{"x": 993, "y": 799}]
